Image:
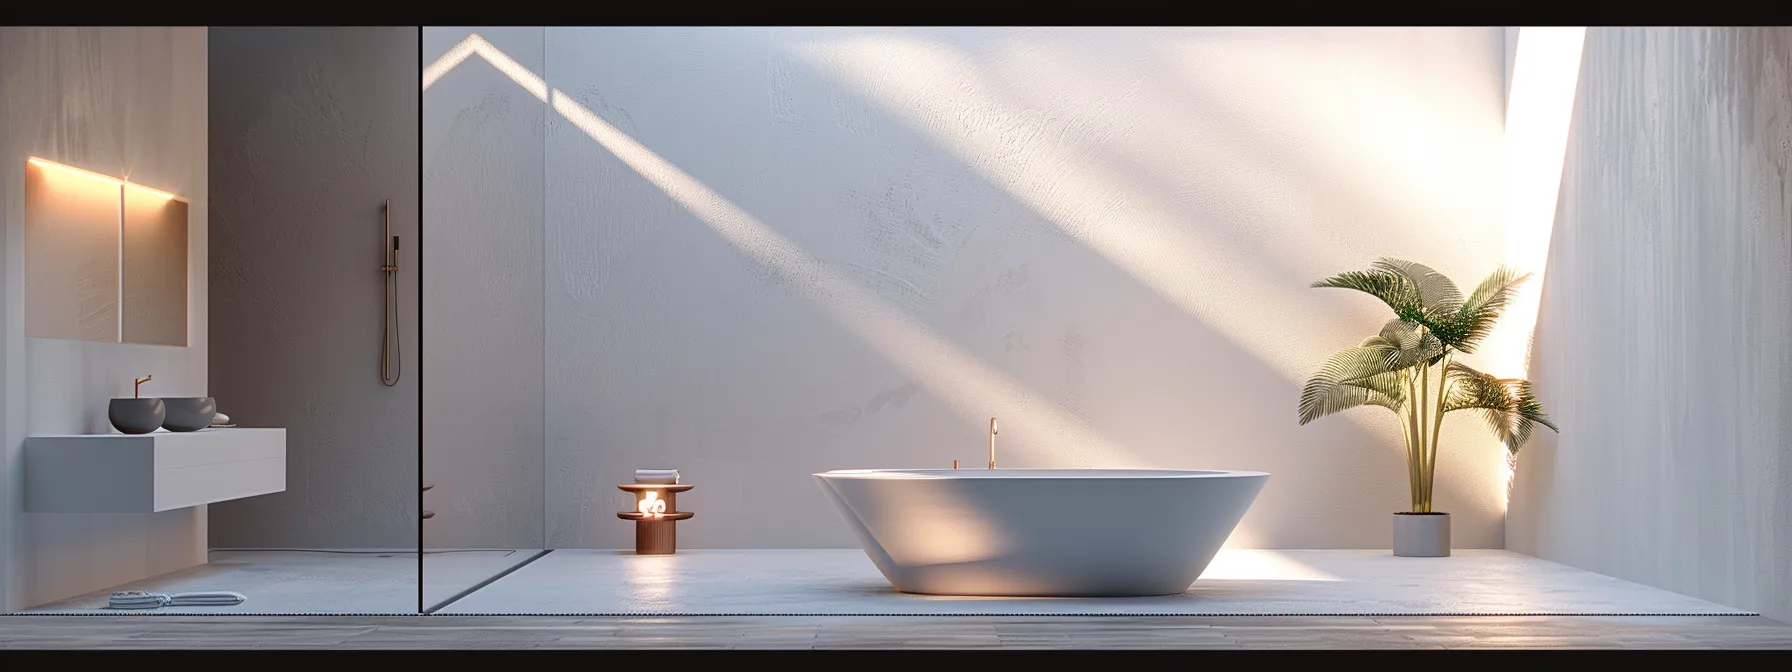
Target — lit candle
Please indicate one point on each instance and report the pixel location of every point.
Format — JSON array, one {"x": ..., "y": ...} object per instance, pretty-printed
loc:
[{"x": 652, "y": 505}]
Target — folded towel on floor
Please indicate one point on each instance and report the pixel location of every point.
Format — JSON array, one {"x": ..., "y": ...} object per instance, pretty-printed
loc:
[
  {"x": 217, "y": 598},
  {"x": 656, "y": 476},
  {"x": 138, "y": 599}
]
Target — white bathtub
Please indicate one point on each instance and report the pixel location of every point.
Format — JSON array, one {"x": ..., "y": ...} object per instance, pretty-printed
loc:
[{"x": 1041, "y": 532}]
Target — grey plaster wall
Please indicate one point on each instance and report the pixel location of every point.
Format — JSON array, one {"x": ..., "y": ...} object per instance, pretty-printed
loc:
[
  {"x": 770, "y": 252},
  {"x": 483, "y": 413},
  {"x": 312, "y": 130},
  {"x": 1664, "y": 345},
  {"x": 126, "y": 102}
]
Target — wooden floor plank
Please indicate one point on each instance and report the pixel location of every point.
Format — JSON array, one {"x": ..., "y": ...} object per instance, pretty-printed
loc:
[{"x": 887, "y": 632}]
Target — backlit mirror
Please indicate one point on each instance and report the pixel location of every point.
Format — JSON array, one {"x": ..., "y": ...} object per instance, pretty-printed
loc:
[{"x": 105, "y": 259}]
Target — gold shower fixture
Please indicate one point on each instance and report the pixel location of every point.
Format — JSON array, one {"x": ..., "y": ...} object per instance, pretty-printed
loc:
[{"x": 390, "y": 370}]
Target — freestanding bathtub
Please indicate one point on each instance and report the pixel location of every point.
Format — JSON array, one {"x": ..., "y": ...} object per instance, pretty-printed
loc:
[{"x": 1041, "y": 532}]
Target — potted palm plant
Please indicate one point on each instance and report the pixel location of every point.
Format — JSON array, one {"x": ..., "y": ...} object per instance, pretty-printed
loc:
[{"x": 1410, "y": 368}]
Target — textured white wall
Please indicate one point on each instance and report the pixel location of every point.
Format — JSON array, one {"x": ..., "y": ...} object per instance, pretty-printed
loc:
[
  {"x": 119, "y": 101},
  {"x": 1664, "y": 345},
  {"x": 482, "y": 438},
  {"x": 312, "y": 129},
  {"x": 856, "y": 245}
]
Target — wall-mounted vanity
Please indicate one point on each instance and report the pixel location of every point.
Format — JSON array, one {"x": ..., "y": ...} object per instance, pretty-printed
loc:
[
  {"x": 149, "y": 473},
  {"x": 105, "y": 259}
]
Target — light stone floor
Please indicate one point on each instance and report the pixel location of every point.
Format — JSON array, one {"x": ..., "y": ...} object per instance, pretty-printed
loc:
[
  {"x": 314, "y": 582},
  {"x": 1239, "y": 582},
  {"x": 329, "y": 583},
  {"x": 447, "y": 575}
]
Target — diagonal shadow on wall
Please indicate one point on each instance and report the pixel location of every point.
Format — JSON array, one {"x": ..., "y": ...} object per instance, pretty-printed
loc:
[{"x": 1180, "y": 403}]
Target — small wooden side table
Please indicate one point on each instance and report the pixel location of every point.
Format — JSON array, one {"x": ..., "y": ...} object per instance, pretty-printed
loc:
[{"x": 655, "y": 534}]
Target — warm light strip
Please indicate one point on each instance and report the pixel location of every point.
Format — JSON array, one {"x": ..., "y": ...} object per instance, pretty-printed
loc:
[
  {"x": 97, "y": 176},
  {"x": 153, "y": 192},
  {"x": 77, "y": 171}
]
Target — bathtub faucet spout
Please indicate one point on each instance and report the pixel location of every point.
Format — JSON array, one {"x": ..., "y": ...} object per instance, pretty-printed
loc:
[{"x": 992, "y": 443}]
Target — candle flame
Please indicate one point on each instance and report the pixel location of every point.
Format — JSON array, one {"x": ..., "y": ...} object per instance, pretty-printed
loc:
[{"x": 652, "y": 505}]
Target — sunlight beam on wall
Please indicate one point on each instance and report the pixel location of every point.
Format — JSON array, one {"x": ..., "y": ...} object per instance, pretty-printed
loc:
[
  {"x": 1539, "y": 114},
  {"x": 969, "y": 384},
  {"x": 474, "y": 44},
  {"x": 940, "y": 94},
  {"x": 1422, "y": 150},
  {"x": 1539, "y": 111},
  {"x": 450, "y": 60}
]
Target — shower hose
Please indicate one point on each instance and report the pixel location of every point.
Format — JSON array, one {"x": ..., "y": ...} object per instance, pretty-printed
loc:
[{"x": 390, "y": 360}]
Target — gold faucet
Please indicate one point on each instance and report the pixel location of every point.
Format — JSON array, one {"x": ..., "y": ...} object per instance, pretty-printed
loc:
[{"x": 992, "y": 443}]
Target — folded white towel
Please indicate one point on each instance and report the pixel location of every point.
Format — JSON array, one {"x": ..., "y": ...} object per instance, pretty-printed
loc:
[
  {"x": 218, "y": 598},
  {"x": 136, "y": 599},
  {"x": 656, "y": 476}
]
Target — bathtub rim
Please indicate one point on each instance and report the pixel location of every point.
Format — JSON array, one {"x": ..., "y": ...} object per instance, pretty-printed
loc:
[{"x": 1040, "y": 474}]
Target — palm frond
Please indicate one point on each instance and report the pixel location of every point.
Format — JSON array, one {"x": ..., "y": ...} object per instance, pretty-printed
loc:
[
  {"x": 1405, "y": 344},
  {"x": 1346, "y": 397},
  {"x": 1509, "y": 405},
  {"x": 1475, "y": 319},
  {"x": 1353, "y": 377},
  {"x": 1389, "y": 389},
  {"x": 1438, "y": 295},
  {"x": 1392, "y": 288}
]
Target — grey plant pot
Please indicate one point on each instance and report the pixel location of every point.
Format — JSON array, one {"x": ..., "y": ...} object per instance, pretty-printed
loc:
[
  {"x": 189, "y": 414},
  {"x": 136, "y": 415},
  {"x": 1422, "y": 535}
]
